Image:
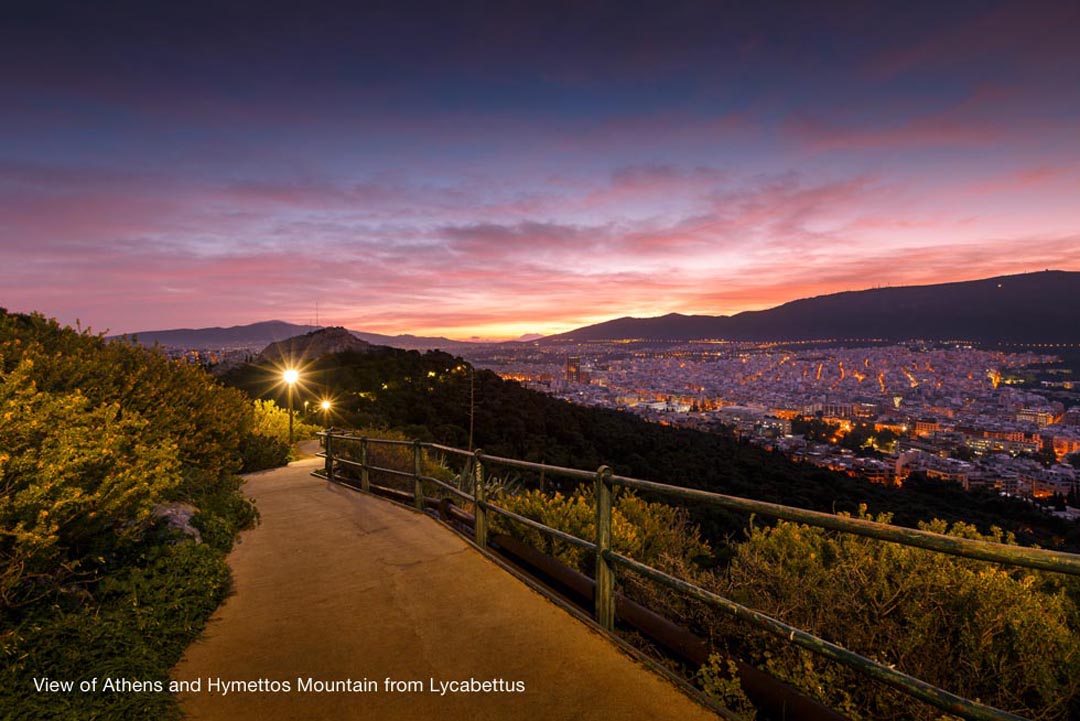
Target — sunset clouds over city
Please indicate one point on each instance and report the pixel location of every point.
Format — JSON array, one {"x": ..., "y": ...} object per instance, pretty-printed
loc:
[{"x": 493, "y": 170}]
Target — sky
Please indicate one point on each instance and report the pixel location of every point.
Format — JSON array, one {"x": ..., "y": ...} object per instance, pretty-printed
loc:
[{"x": 493, "y": 169}]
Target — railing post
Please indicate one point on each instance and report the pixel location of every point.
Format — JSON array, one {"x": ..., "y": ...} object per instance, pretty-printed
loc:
[
  {"x": 479, "y": 497},
  {"x": 466, "y": 472},
  {"x": 329, "y": 455},
  {"x": 605, "y": 573},
  {"x": 418, "y": 487},
  {"x": 365, "y": 479}
]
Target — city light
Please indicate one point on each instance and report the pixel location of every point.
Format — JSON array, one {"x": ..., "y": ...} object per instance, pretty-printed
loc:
[{"x": 930, "y": 411}]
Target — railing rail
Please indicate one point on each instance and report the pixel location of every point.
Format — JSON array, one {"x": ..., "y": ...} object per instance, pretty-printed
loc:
[{"x": 607, "y": 559}]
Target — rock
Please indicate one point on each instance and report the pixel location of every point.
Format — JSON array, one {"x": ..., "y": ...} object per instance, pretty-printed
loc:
[{"x": 178, "y": 517}]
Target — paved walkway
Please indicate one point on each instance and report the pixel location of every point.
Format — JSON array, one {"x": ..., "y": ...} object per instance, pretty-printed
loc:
[{"x": 335, "y": 585}]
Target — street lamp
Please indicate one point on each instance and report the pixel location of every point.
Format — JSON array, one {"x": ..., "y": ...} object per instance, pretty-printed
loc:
[
  {"x": 291, "y": 376},
  {"x": 325, "y": 405}
]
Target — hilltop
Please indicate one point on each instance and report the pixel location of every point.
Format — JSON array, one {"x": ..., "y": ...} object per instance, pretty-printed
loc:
[{"x": 312, "y": 345}]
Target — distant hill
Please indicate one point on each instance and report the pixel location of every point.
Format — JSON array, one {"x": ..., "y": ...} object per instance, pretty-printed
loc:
[
  {"x": 259, "y": 335},
  {"x": 263, "y": 333},
  {"x": 1029, "y": 308},
  {"x": 313, "y": 345}
]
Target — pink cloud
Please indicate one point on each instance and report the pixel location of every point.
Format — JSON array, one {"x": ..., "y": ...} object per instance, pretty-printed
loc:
[
  {"x": 137, "y": 253},
  {"x": 1041, "y": 176},
  {"x": 649, "y": 183},
  {"x": 491, "y": 241}
]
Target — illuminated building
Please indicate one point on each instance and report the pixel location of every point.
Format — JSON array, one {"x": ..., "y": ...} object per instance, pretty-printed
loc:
[{"x": 573, "y": 369}]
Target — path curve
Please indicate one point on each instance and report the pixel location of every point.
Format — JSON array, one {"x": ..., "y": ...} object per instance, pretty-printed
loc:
[{"x": 337, "y": 585}]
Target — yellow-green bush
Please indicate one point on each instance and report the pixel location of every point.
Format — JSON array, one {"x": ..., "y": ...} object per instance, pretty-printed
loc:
[
  {"x": 394, "y": 456},
  {"x": 644, "y": 531},
  {"x": 719, "y": 678},
  {"x": 273, "y": 422},
  {"x": 93, "y": 435},
  {"x": 1004, "y": 636},
  {"x": 977, "y": 629},
  {"x": 77, "y": 482}
]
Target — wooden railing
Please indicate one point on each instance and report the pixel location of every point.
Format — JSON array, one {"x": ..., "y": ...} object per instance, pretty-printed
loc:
[{"x": 477, "y": 464}]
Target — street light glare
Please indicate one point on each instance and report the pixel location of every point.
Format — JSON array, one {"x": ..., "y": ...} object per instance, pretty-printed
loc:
[
  {"x": 291, "y": 376},
  {"x": 325, "y": 405}
]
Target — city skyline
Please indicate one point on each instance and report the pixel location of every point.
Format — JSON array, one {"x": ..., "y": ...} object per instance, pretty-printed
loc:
[{"x": 480, "y": 172}]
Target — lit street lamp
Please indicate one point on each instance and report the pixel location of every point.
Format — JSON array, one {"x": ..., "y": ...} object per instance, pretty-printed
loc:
[
  {"x": 291, "y": 376},
  {"x": 325, "y": 405}
]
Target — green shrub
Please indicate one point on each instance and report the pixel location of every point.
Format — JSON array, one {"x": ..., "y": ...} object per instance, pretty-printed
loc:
[
  {"x": 137, "y": 628},
  {"x": 271, "y": 421},
  {"x": 719, "y": 678},
  {"x": 977, "y": 629},
  {"x": 79, "y": 482},
  {"x": 396, "y": 457},
  {"x": 1004, "y": 636},
  {"x": 259, "y": 453},
  {"x": 93, "y": 435},
  {"x": 647, "y": 532}
]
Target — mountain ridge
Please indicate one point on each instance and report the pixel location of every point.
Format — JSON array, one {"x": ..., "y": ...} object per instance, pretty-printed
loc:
[
  {"x": 263, "y": 333},
  {"x": 1022, "y": 308}
]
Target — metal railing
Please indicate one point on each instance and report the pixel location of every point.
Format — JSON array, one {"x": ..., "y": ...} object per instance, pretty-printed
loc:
[{"x": 606, "y": 559}]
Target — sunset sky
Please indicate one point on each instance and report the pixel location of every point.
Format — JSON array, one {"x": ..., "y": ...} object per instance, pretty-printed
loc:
[{"x": 495, "y": 169}]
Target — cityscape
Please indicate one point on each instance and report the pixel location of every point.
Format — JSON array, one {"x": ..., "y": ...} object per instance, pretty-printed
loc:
[
  {"x": 1006, "y": 419},
  {"x": 979, "y": 418}
]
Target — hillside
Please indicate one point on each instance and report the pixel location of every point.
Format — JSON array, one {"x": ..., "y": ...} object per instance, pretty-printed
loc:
[
  {"x": 1028, "y": 308},
  {"x": 427, "y": 396}
]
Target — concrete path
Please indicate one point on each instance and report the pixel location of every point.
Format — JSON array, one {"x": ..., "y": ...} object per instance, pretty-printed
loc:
[{"x": 337, "y": 586}]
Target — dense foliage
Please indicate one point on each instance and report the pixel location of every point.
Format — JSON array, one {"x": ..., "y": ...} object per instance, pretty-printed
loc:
[
  {"x": 1005, "y": 636},
  {"x": 135, "y": 626},
  {"x": 94, "y": 437}
]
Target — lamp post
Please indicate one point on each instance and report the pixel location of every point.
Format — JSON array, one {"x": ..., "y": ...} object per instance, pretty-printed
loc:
[
  {"x": 325, "y": 405},
  {"x": 291, "y": 376}
]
